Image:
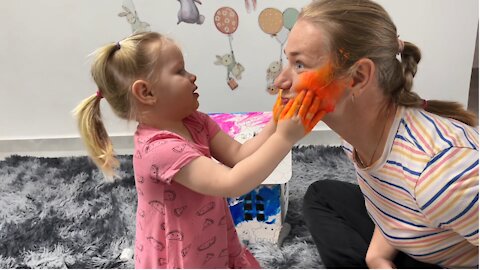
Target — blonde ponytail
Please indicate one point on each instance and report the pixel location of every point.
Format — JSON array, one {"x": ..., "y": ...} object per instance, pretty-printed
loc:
[
  {"x": 95, "y": 137},
  {"x": 115, "y": 68}
]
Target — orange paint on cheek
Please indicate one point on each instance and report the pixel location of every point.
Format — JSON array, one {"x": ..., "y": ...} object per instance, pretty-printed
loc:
[{"x": 323, "y": 85}]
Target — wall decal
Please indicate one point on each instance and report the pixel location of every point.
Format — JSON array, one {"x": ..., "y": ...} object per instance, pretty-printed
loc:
[
  {"x": 226, "y": 21},
  {"x": 189, "y": 13},
  {"x": 131, "y": 15},
  {"x": 250, "y": 5},
  {"x": 278, "y": 25}
]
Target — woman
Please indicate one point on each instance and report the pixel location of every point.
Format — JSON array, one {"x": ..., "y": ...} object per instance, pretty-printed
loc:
[{"x": 416, "y": 161}]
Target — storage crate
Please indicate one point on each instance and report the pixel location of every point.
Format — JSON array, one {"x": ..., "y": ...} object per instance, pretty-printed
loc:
[{"x": 260, "y": 214}]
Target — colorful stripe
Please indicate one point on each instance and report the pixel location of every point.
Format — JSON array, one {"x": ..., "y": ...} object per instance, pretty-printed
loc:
[{"x": 424, "y": 197}]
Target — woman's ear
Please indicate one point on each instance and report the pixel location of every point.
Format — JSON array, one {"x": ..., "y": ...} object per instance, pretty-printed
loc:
[
  {"x": 142, "y": 91},
  {"x": 363, "y": 75}
]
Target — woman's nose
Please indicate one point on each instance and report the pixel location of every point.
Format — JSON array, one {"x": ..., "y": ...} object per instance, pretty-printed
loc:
[
  {"x": 283, "y": 80},
  {"x": 193, "y": 77}
]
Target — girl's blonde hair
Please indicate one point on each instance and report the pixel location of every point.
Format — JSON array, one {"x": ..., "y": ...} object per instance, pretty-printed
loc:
[
  {"x": 115, "y": 67},
  {"x": 363, "y": 29}
]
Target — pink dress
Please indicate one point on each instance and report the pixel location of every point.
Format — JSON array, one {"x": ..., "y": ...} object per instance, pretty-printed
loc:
[{"x": 177, "y": 227}]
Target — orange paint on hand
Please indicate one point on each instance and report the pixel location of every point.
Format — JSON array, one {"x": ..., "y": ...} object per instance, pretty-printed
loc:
[{"x": 326, "y": 92}]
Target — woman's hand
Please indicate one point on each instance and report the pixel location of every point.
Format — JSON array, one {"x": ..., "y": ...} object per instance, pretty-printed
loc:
[
  {"x": 380, "y": 253},
  {"x": 380, "y": 263}
]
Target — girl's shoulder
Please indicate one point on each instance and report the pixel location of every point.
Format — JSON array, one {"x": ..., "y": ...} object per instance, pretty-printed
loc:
[{"x": 198, "y": 116}]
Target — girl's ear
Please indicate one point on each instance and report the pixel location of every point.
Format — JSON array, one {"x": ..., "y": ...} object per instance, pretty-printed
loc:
[
  {"x": 363, "y": 75},
  {"x": 142, "y": 91}
]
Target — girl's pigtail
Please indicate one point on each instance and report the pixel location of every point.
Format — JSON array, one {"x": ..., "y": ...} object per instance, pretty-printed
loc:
[{"x": 95, "y": 137}]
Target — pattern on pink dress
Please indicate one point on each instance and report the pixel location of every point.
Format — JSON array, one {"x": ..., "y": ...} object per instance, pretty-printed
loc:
[{"x": 177, "y": 227}]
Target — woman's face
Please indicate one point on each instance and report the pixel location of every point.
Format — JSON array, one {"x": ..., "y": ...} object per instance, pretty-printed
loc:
[{"x": 305, "y": 51}]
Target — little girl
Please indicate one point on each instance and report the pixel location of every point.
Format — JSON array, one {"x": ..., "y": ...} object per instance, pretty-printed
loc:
[{"x": 183, "y": 220}]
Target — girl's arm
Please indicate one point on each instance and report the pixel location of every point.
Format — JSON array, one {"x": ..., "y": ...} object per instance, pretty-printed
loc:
[
  {"x": 228, "y": 151},
  {"x": 207, "y": 176},
  {"x": 380, "y": 253}
]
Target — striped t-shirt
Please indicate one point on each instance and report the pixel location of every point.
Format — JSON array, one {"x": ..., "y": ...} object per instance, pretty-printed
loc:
[{"x": 423, "y": 192}]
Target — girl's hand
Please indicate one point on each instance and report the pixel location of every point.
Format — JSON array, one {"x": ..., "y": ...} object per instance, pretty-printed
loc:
[
  {"x": 278, "y": 107},
  {"x": 306, "y": 105},
  {"x": 310, "y": 111},
  {"x": 290, "y": 124}
]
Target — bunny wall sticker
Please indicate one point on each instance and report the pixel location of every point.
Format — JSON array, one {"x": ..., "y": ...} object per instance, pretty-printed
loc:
[
  {"x": 131, "y": 15},
  {"x": 226, "y": 21},
  {"x": 233, "y": 68},
  {"x": 189, "y": 13}
]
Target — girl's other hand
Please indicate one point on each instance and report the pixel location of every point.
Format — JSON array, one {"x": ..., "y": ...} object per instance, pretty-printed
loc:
[
  {"x": 278, "y": 107},
  {"x": 290, "y": 124}
]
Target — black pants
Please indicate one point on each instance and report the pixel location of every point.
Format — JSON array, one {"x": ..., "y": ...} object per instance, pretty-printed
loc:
[{"x": 336, "y": 216}]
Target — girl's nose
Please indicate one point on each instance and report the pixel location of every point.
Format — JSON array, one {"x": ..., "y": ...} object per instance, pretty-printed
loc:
[{"x": 193, "y": 77}]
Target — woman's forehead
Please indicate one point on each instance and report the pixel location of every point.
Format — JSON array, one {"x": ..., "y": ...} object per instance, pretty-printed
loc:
[{"x": 305, "y": 39}]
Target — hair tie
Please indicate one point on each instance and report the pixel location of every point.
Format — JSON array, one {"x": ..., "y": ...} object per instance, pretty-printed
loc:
[
  {"x": 401, "y": 45},
  {"x": 424, "y": 104},
  {"x": 99, "y": 94},
  {"x": 117, "y": 45}
]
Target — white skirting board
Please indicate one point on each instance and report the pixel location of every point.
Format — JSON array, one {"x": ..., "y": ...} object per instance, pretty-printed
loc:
[{"x": 62, "y": 147}]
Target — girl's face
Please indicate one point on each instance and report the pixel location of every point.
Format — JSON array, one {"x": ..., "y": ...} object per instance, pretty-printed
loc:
[{"x": 175, "y": 87}]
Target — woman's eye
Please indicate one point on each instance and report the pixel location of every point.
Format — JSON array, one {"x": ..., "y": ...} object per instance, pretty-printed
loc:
[{"x": 299, "y": 66}]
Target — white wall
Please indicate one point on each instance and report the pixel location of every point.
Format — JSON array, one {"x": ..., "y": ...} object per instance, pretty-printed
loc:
[
  {"x": 475, "y": 56},
  {"x": 44, "y": 68}
]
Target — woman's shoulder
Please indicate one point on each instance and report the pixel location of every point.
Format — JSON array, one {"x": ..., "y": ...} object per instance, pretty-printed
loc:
[{"x": 433, "y": 133}]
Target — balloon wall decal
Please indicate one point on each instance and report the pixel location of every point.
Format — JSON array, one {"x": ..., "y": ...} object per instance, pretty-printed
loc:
[
  {"x": 226, "y": 21},
  {"x": 270, "y": 20},
  {"x": 278, "y": 25}
]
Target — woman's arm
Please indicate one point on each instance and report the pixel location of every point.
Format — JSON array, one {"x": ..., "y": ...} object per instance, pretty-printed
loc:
[{"x": 380, "y": 253}]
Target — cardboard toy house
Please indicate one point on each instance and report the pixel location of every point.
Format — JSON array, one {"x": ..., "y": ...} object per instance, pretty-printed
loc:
[{"x": 260, "y": 214}]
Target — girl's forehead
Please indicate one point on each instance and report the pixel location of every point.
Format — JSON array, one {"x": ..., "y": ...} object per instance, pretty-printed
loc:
[{"x": 169, "y": 52}]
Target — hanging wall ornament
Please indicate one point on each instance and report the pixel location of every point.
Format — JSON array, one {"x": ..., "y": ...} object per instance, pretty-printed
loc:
[
  {"x": 278, "y": 25},
  {"x": 226, "y": 21},
  {"x": 189, "y": 13},
  {"x": 130, "y": 13}
]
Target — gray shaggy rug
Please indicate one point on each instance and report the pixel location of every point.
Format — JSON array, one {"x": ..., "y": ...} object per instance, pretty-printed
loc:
[{"x": 59, "y": 213}]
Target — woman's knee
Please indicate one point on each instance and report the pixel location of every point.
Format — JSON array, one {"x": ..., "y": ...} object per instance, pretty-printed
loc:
[
  {"x": 320, "y": 190},
  {"x": 317, "y": 196}
]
